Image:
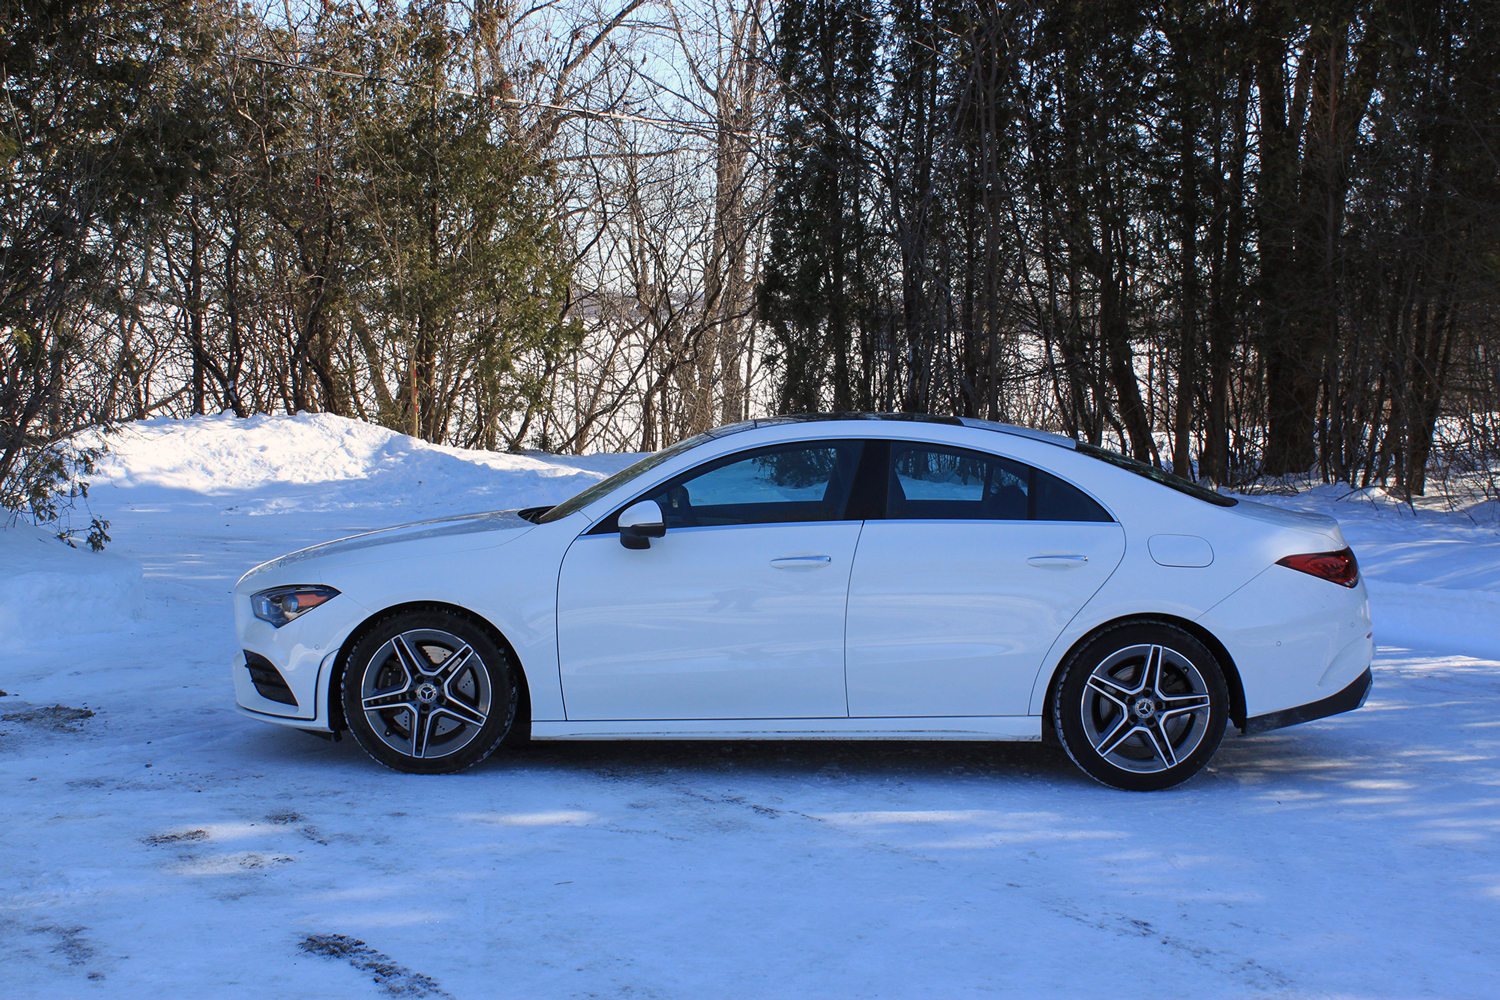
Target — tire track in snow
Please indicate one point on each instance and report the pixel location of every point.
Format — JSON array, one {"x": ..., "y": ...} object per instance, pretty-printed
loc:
[{"x": 394, "y": 979}]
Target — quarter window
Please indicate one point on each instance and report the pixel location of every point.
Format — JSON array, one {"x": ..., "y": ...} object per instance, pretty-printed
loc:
[{"x": 932, "y": 482}]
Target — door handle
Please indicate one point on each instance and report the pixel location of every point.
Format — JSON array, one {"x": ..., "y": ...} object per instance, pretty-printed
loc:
[
  {"x": 1057, "y": 562},
  {"x": 801, "y": 562}
]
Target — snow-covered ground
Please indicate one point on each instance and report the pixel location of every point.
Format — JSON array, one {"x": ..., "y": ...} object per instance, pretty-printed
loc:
[{"x": 165, "y": 846}]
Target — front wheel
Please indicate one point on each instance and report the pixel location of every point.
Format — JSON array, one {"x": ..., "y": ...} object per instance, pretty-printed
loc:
[
  {"x": 1141, "y": 706},
  {"x": 428, "y": 692}
]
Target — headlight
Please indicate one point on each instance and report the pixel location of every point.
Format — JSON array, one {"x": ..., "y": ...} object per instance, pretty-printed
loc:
[{"x": 280, "y": 605}]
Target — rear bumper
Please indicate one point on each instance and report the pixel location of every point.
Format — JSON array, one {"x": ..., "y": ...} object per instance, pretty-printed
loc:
[{"x": 1347, "y": 700}]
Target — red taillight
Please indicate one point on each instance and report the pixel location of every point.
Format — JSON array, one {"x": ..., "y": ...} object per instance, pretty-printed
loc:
[{"x": 1335, "y": 567}]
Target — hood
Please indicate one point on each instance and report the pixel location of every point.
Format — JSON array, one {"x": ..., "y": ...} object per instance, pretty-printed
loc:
[{"x": 464, "y": 524}]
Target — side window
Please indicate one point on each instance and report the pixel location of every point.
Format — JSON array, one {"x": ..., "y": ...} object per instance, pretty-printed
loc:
[
  {"x": 808, "y": 481},
  {"x": 934, "y": 482},
  {"x": 931, "y": 482}
]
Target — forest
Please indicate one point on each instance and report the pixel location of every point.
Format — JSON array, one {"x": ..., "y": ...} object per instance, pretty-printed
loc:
[{"x": 1244, "y": 240}]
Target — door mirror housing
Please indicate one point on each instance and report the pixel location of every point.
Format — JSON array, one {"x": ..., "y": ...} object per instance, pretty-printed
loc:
[{"x": 641, "y": 522}]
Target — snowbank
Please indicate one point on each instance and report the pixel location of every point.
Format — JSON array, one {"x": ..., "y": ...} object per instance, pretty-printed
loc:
[
  {"x": 205, "y": 469},
  {"x": 47, "y": 586},
  {"x": 312, "y": 462}
]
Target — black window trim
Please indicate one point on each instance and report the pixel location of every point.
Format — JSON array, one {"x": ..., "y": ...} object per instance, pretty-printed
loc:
[
  {"x": 1031, "y": 517},
  {"x": 609, "y": 524},
  {"x": 868, "y": 495}
]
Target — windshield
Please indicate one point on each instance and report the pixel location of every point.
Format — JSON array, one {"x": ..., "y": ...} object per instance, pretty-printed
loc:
[
  {"x": 1156, "y": 475},
  {"x": 606, "y": 486}
]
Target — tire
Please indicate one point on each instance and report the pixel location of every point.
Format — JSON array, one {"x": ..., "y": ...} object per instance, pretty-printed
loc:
[
  {"x": 1141, "y": 706},
  {"x": 429, "y": 692}
]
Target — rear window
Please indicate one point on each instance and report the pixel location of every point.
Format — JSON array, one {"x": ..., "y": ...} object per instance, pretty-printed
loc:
[
  {"x": 1157, "y": 475},
  {"x": 938, "y": 482}
]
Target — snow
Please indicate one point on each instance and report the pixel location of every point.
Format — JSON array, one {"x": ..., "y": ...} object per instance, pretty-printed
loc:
[
  {"x": 48, "y": 584},
  {"x": 167, "y": 846},
  {"x": 321, "y": 463}
]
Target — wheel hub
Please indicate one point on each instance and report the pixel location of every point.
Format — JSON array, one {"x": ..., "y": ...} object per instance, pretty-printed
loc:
[
  {"x": 1144, "y": 708},
  {"x": 427, "y": 692}
]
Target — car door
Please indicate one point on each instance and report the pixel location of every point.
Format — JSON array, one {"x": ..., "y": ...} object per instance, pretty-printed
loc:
[
  {"x": 736, "y": 613},
  {"x": 957, "y": 594}
]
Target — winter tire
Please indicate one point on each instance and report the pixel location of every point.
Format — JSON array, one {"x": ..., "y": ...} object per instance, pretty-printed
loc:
[
  {"x": 428, "y": 692},
  {"x": 1141, "y": 706}
]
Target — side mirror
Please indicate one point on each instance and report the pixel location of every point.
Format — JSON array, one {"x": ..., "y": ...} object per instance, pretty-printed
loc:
[{"x": 641, "y": 522}]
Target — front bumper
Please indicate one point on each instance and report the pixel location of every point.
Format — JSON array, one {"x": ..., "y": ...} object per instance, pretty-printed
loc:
[
  {"x": 306, "y": 688},
  {"x": 1347, "y": 700},
  {"x": 317, "y": 727}
]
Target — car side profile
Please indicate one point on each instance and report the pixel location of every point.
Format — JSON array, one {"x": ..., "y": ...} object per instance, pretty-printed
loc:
[{"x": 855, "y": 576}]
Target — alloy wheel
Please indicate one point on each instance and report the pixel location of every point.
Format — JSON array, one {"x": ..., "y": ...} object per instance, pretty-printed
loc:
[
  {"x": 1146, "y": 708},
  {"x": 426, "y": 693}
]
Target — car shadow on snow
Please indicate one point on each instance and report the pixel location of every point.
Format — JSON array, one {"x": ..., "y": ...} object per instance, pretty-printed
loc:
[
  {"x": 1240, "y": 762},
  {"x": 1309, "y": 756},
  {"x": 651, "y": 759},
  {"x": 855, "y": 759}
]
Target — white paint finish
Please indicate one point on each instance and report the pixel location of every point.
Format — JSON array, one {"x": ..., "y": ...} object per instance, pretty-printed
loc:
[
  {"x": 282, "y": 720},
  {"x": 1188, "y": 551},
  {"x": 509, "y": 576},
  {"x": 493, "y": 527},
  {"x": 647, "y": 512},
  {"x": 951, "y": 617},
  {"x": 1140, "y": 587},
  {"x": 1352, "y": 660},
  {"x": 1285, "y": 630},
  {"x": 702, "y": 625},
  {"x": 995, "y": 727},
  {"x": 506, "y": 577}
]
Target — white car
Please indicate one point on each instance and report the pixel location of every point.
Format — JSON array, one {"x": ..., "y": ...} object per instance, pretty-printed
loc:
[{"x": 828, "y": 577}]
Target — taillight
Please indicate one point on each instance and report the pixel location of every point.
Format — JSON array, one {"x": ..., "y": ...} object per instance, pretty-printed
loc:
[{"x": 1336, "y": 567}]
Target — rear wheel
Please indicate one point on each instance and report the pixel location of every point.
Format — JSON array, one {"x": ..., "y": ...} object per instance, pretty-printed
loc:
[
  {"x": 429, "y": 692},
  {"x": 1142, "y": 706}
]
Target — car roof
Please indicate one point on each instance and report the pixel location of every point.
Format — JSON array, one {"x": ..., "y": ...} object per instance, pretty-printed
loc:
[{"x": 916, "y": 418}]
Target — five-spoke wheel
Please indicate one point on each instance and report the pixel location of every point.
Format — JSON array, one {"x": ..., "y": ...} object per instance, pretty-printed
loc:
[
  {"x": 428, "y": 692},
  {"x": 1142, "y": 706}
]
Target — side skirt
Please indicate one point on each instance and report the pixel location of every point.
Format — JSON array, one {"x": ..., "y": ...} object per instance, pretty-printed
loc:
[
  {"x": 1347, "y": 700},
  {"x": 991, "y": 727}
]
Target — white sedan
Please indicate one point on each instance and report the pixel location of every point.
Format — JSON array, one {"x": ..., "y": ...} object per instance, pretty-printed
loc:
[{"x": 831, "y": 577}]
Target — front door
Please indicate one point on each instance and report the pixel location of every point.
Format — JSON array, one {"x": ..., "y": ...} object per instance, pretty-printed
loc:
[{"x": 737, "y": 613}]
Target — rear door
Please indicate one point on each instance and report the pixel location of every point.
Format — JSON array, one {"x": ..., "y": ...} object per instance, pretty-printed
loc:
[{"x": 958, "y": 593}]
